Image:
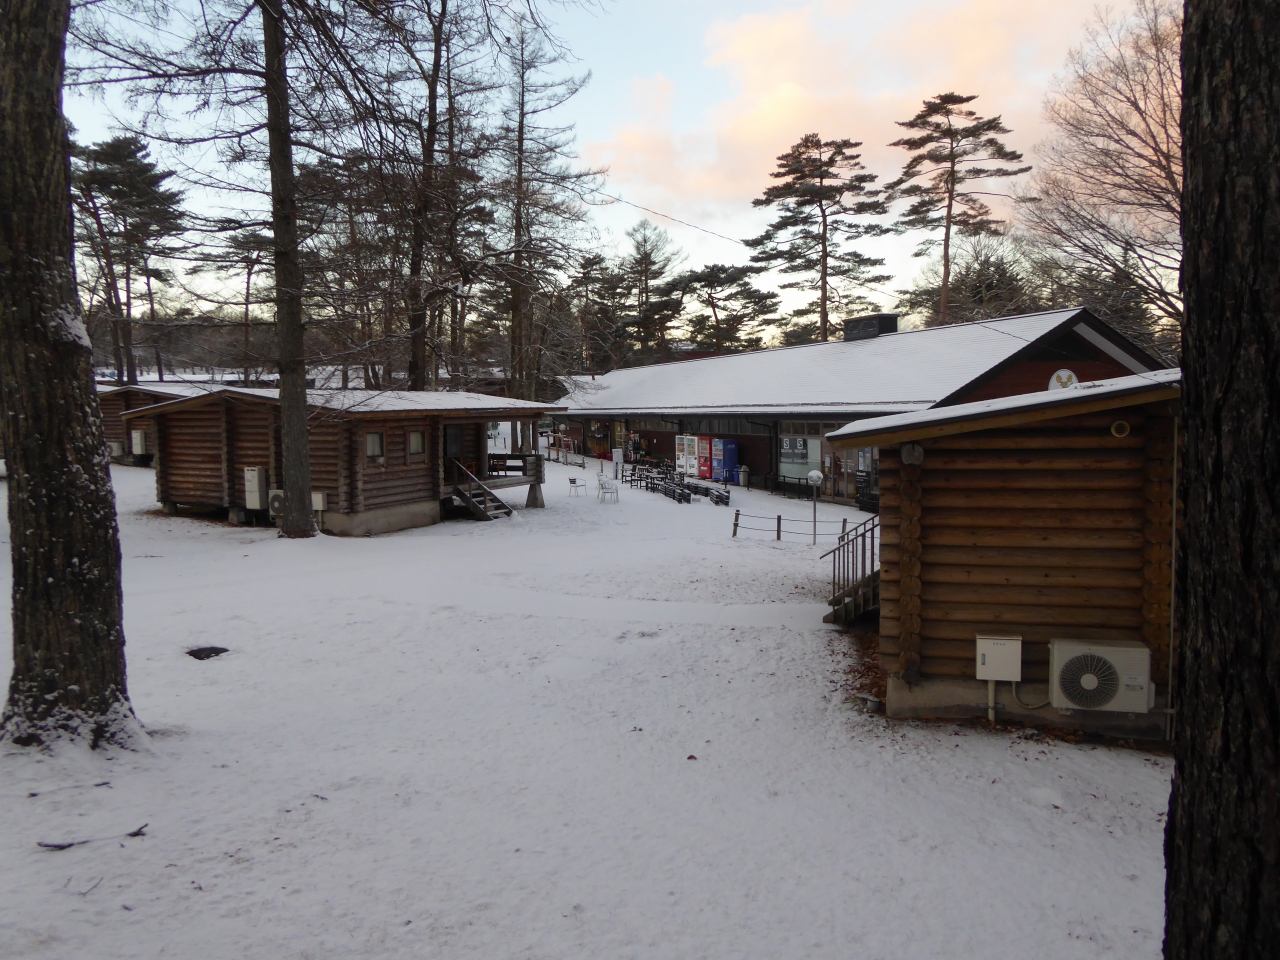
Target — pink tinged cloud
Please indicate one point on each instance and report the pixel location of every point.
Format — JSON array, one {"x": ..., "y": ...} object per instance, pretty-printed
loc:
[{"x": 819, "y": 68}]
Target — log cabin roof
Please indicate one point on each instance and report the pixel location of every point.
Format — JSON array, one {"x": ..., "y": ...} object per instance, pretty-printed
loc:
[
  {"x": 170, "y": 390},
  {"x": 890, "y": 373},
  {"x": 1010, "y": 411},
  {"x": 371, "y": 402}
]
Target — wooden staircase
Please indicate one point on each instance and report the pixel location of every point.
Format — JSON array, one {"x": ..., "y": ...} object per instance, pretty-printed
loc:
[
  {"x": 854, "y": 601},
  {"x": 479, "y": 499},
  {"x": 855, "y": 574}
]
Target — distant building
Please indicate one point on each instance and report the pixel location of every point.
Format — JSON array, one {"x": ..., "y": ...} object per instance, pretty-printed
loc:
[
  {"x": 380, "y": 460},
  {"x": 778, "y": 405}
]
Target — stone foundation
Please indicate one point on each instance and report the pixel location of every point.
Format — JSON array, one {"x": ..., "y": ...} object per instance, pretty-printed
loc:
[
  {"x": 944, "y": 698},
  {"x": 369, "y": 523}
]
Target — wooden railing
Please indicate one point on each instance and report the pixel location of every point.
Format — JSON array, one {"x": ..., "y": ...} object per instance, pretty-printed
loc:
[
  {"x": 855, "y": 567},
  {"x": 479, "y": 498}
]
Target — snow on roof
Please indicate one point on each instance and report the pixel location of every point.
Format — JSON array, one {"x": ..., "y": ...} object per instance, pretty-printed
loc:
[
  {"x": 891, "y": 372},
  {"x": 1118, "y": 388},
  {"x": 390, "y": 401},
  {"x": 168, "y": 388}
]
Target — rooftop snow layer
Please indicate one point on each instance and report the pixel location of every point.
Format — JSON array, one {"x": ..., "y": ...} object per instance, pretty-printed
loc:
[
  {"x": 1119, "y": 388},
  {"x": 389, "y": 401},
  {"x": 171, "y": 388},
  {"x": 894, "y": 371}
]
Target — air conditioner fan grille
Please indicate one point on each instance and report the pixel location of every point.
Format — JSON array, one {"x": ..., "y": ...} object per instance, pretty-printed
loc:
[{"x": 1089, "y": 681}]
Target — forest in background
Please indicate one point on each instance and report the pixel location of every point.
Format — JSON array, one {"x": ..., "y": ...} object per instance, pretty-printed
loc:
[{"x": 444, "y": 236}]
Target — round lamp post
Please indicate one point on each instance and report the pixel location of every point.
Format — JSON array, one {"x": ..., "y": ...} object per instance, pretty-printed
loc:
[{"x": 815, "y": 481}]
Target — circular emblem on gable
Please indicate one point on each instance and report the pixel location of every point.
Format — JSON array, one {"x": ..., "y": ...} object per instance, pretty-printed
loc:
[{"x": 1062, "y": 379}]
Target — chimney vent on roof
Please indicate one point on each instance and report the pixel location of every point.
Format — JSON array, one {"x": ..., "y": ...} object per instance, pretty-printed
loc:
[{"x": 872, "y": 325}]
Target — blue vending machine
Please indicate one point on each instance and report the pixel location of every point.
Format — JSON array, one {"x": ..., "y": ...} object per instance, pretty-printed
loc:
[{"x": 724, "y": 461}]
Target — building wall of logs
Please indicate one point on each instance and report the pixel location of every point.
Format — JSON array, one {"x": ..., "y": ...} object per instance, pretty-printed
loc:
[
  {"x": 203, "y": 448},
  {"x": 1056, "y": 529}
]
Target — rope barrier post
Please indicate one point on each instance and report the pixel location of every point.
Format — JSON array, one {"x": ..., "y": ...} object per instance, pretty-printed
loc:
[
  {"x": 779, "y": 526},
  {"x": 736, "y": 514}
]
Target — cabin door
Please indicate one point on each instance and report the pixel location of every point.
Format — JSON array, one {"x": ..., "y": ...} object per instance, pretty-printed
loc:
[{"x": 452, "y": 449}]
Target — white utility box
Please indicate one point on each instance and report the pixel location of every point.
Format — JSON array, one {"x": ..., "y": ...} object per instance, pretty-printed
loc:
[
  {"x": 117, "y": 448},
  {"x": 255, "y": 488},
  {"x": 999, "y": 658},
  {"x": 319, "y": 500},
  {"x": 139, "y": 438}
]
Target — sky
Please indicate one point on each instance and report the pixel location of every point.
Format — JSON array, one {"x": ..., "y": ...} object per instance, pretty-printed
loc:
[{"x": 691, "y": 101}]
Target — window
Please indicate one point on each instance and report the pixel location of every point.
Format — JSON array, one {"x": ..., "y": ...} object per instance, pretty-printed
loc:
[
  {"x": 417, "y": 442},
  {"x": 373, "y": 445}
]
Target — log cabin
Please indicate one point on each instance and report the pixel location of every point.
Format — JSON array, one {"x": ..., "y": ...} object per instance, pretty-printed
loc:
[
  {"x": 1030, "y": 538},
  {"x": 115, "y": 402},
  {"x": 380, "y": 460}
]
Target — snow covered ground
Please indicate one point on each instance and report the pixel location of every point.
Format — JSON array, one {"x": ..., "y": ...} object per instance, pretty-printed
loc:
[{"x": 475, "y": 740}]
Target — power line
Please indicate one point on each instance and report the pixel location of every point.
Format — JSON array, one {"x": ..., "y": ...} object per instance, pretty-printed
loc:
[
  {"x": 667, "y": 216},
  {"x": 693, "y": 226}
]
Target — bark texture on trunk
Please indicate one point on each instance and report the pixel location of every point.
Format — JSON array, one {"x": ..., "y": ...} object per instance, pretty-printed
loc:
[
  {"x": 1223, "y": 840},
  {"x": 68, "y": 676},
  {"x": 295, "y": 451}
]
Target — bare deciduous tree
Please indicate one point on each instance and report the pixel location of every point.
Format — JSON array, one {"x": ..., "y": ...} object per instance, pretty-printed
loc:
[{"x": 1107, "y": 186}]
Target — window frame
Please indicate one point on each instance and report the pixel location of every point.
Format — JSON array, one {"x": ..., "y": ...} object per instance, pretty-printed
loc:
[
  {"x": 369, "y": 455},
  {"x": 421, "y": 435}
]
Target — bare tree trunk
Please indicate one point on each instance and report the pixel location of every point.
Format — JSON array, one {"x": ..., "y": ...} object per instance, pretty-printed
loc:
[
  {"x": 126, "y": 324},
  {"x": 424, "y": 214},
  {"x": 1222, "y": 845},
  {"x": 151, "y": 306},
  {"x": 823, "y": 258},
  {"x": 297, "y": 520},
  {"x": 944, "y": 299},
  {"x": 68, "y": 636}
]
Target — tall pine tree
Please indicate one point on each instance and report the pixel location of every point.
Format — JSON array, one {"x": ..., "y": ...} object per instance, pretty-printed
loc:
[
  {"x": 68, "y": 677},
  {"x": 952, "y": 151},
  {"x": 732, "y": 311},
  {"x": 823, "y": 200}
]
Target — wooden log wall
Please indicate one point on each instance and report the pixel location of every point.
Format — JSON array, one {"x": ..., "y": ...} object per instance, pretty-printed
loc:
[
  {"x": 250, "y": 445},
  {"x": 1055, "y": 529},
  {"x": 192, "y": 455},
  {"x": 397, "y": 477},
  {"x": 113, "y": 427},
  {"x": 329, "y": 461}
]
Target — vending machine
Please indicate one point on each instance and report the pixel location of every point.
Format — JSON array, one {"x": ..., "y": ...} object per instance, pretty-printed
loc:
[
  {"x": 704, "y": 458},
  {"x": 685, "y": 451},
  {"x": 724, "y": 461}
]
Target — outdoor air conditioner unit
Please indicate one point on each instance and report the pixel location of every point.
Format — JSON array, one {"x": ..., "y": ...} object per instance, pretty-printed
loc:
[
  {"x": 275, "y": 503},
  {"x": 139, "y": 442},
  {"x": 117, "y": 448},
  {"x": 1110, "y": 675},
  {"x": 255, "y": 488}
]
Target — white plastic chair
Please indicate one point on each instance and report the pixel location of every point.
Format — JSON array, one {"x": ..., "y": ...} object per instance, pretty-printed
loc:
[{"x": 576, "y": 487}]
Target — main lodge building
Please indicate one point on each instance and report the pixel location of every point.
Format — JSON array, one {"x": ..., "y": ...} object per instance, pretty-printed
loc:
[{"x": 779, "y": 404}]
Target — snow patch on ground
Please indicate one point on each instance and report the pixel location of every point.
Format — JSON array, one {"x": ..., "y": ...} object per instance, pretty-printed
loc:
[{"x": 471, "y": 740}]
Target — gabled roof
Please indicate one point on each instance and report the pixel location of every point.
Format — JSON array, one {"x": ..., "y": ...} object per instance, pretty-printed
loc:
[
  {"x": 1010, "y": 411},
  {"x": 369, "y": 402},
  {"x": 891, "y": 373},
  {"x": 167, "y": 389}
]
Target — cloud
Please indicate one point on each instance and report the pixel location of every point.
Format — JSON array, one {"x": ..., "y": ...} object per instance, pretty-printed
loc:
[{"x": 840, "y": 69}]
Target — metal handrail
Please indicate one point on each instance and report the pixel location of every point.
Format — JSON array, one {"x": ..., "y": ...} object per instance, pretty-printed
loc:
[{"x": 855, "y": 557}]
